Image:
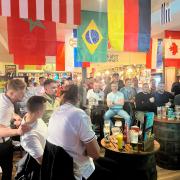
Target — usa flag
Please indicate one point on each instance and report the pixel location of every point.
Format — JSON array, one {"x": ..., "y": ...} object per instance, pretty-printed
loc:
[{"x": 63, "y": 11}]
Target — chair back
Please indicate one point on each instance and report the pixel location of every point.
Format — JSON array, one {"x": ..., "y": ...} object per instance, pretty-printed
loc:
[{"x": 57, "y": 164}]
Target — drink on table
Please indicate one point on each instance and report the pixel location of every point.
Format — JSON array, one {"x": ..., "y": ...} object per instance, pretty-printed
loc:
[
  {"x": 106, "y": 131},
  {"x": 119, "y": 138}
]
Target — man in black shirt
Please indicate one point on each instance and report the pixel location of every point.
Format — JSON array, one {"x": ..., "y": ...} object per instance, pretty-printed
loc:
[
  {"x": 144, "y": 103},
  {"x": 162, "y": 97}
]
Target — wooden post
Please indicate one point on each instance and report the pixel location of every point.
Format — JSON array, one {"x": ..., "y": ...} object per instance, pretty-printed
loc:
[{"x": 84, "y": 77}]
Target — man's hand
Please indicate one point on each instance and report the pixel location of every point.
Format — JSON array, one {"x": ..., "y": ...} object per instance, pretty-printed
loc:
[
  {"x": 23, "y": 129},
  {"x": 17, "y": 119},
  {"x": 152, "y": 99}
]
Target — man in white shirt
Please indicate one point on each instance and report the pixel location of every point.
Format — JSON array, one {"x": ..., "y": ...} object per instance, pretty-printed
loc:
[
  {"x": 70, "y": 128},
  {"x": 15, "y": 92},
  {"x": 33, "y": 142},
  {"x": 96, "y": 93},
  {"x": 39, "y": 90}
]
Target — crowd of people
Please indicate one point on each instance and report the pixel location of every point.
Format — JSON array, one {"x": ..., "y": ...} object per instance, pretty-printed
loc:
[{"x": 50, "y": 116}]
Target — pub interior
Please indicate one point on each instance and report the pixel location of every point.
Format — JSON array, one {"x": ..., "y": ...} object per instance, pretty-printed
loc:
[{"x": 89, "y": 90}]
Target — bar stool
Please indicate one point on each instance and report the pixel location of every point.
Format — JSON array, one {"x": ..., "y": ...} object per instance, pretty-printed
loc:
[{"x": 117, "y": 118}]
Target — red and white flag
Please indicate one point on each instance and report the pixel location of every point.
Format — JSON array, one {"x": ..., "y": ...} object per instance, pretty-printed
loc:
[
  {"x": 63, "y": 11},
  {"x": 172, "y": 52}
]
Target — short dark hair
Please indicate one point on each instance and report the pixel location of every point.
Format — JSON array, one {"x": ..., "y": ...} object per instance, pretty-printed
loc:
[
  {"x": 16, "y": 84},
  {"x": 127, "y": 79},
  {"x": 70, "y": 93},
  {"x": 41, "y": 77},
  {"x": 35, "y": 103},
  {"x": 49, "y": 81},
  {"x": 115, "y": 74}
]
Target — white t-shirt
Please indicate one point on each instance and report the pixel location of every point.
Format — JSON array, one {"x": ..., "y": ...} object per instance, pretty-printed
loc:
[
  {"x": 39, "y": 90},
  {"x": 115, "y": 97},
  {"x": 34, "y": 140},
  {"x": 6, "y": 110},
  {"x": 70, "y": 128},
  {"x": 97, "y": 96}
]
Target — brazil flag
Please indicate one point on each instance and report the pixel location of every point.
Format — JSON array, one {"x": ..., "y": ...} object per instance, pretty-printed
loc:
[{"x": 92, "y": 37}]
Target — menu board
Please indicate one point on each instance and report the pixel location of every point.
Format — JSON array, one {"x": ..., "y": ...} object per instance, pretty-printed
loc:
[
  {"x": 10, "y": 70},
  {"x": 2, "y": 83}
]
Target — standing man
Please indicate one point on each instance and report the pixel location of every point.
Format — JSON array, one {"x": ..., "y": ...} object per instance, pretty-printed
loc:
[
  {"x": 15, "y": 92},
  {"x": 50, "y": 87},
  {"x": 39, "y": 90}
]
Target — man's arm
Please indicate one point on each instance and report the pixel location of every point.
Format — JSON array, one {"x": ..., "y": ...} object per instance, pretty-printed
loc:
[
  {"x": 93, "y": 149},
  {"x": 8, "y": 132}
]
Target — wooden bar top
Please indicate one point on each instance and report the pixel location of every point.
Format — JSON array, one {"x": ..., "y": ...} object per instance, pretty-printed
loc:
[
  {"x": 165, "y": 120},
  {"x": 112, "y": 146}
]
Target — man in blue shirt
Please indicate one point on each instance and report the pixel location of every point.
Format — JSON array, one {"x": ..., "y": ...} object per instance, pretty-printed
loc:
[{"x": 115, "y": 102}]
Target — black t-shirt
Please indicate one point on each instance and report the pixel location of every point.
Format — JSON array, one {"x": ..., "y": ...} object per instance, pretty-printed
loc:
[
  {"x": 176, "y": 88},
  {"x": 143, "y": 103},
  {"x": 162, "y": 99}
]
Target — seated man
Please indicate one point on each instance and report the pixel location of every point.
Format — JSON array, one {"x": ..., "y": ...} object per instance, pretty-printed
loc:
[
  {"x": 144, "y": 103},
  {"x": 115, "y": 102},
  {"x": 33, "y": 142},
  {"x": 96, "y": 93},
  {"x": 162, "y": 97}
]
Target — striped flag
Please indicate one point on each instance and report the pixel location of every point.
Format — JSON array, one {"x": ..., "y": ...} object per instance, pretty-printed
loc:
[
  {"x": 129, "y": 24},
  {"x": 154, "y": 58},
  {"x": 63, "y": 11}
]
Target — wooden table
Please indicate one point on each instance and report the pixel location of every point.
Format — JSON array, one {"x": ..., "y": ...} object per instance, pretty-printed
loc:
[
  {"x": 140, "y": 165},
  {"x": 167, "y": 133}
]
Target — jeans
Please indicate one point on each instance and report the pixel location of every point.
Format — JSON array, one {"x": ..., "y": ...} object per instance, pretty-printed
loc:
[{"x": 112, "y": 112}]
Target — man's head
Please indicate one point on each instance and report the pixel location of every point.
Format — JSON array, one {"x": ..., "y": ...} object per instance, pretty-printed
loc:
[
  {"x": 96, "y": 86},
  {"x": 145, "y": 88},
  {"x": 42, "y": 80},
  {"x": 16, "y": 89},
  {"x": 161, "y": 87},
  {"x": 115, "y": 77},
  {"x": 128, "y": 82},
  {"x": 50, "y": 87},
  {"x": 114, "y": 87},
  {"x": 36, "y": 105},
  {"x": 70, "y": 94}
]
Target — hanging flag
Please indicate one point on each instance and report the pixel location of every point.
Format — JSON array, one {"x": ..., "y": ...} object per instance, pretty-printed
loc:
[
  {"x": 92, "y": 37},
  {"x": 172, "y": 52},
  {"x": 60, "y": 57},
  {"x": 22, "y": 59},
  {"x": 63, "y": 11},
  {"x": 129, "y": 24},
  {"x": 78, "y": 63},
  {"x": 31, "y": 40},
  {"x": 154, "y": 58},
  {"x": 172, "y": 48},
  {"x": 70, "y": 43}
]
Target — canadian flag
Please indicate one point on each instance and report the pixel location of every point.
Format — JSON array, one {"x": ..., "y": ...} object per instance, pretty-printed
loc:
[
  {"x": 172, "y": 52},
  {"x": 63, "y": 11},
  {"x": 172, "y": 48}
]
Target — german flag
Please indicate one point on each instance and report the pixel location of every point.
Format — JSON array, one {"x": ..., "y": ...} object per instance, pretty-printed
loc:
[{"x": 129, "y": 24}]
